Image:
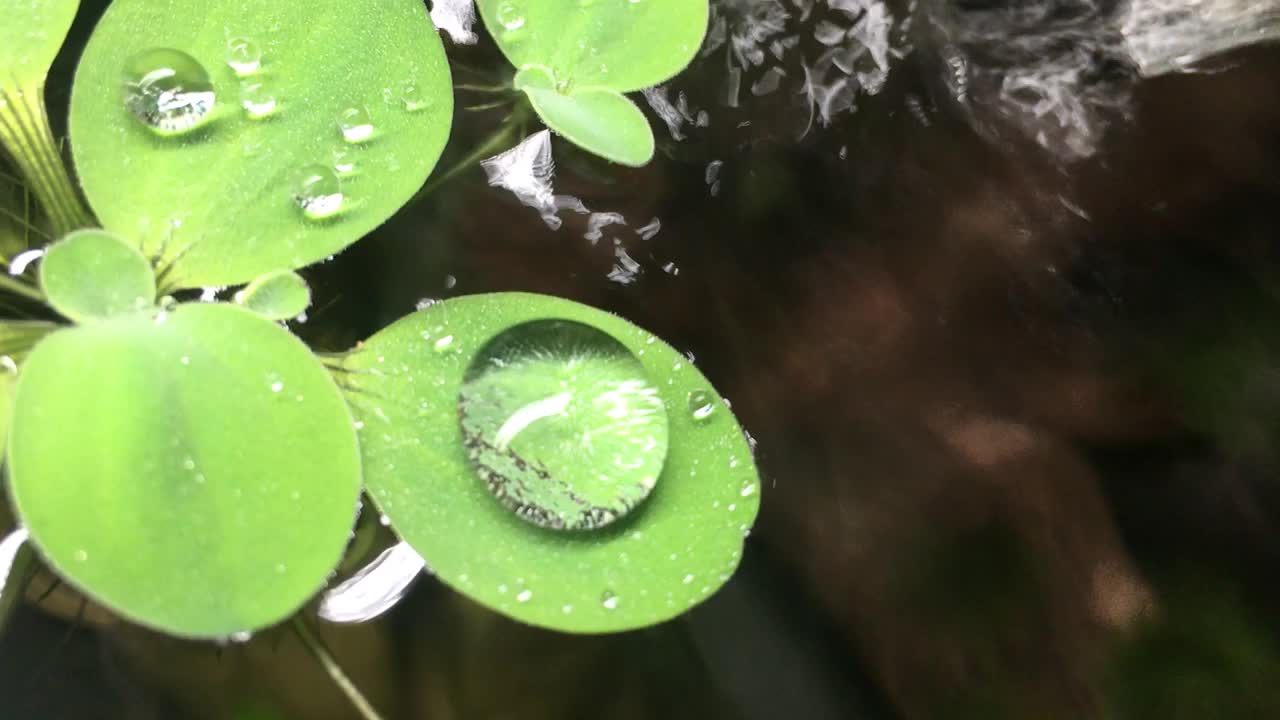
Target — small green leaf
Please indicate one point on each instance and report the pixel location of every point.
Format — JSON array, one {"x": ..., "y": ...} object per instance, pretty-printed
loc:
[
  {"x": 455, "y": 490},
  {"x": 598, "y": 120},
  {"x": 288, "y": 130},
  {"x": 195, "y": 469},
  {"x": 30, "y": 36},
  {"x": 615, "y": 44},
  {"x": 577, "y": 57},
  {"x": 91, "y": 274},
  {"x": 280, "y": 295}
]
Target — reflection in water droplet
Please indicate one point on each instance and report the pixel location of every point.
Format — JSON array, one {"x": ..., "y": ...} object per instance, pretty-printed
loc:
[
  {"x": 317, "y": 192},
  {"x": 701, "y": 405},
  {"x": 355, "y": 124},
  {"x": 374, "y": 588},
  {"x": 609, "y": 600},
  {"x": 257, "y": 99},
  {"x": 243, "y": 55},
  {"x": 167, "y": 90},
  {"x": 509, "y": 16},
  {"x": 562, "y": 424}
]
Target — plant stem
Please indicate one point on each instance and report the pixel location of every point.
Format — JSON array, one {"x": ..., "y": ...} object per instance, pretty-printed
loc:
[
  {"x": 312, "y": 641},
  {"x": 25, "y": 133},
  {"x": 18, "y": 287}
]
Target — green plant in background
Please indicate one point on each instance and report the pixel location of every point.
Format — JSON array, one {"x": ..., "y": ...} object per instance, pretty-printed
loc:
[{"x": 194, "y": 467}]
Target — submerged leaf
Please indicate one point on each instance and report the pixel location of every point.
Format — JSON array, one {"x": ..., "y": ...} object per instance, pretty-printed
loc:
[
  {"x": 229, "y": 140},
  {"x": 473, "y": 502},
  {"x": 195, "y": 470}
]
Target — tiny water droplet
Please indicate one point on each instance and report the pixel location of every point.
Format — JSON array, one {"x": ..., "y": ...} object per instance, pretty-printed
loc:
[
  {"x": 189, "y": 463},
  {"x": 344, "y": 160},
  {"x": 444, "y": 344},
  {"x": 240, "y": 637},
  {"x": 318, "y": 192},
  {"x": 748, "y": 490},
  {"x": 355, "y": 124},
  {"x": 257, "y": 99},
  {"x": 412, "y": 98},
  {"x": 687, "y": 579},
  {"x": 243, "y": 55},
  {"x": 524, "y": 596},
  {"x": 510, "y": 16},
  {"x": 609, "y": 600},
  {"x": 566, "y": 609},
  {"x": 281, "y": 568},
  {"x": 502, "y": 589},
  {"x": 81, "y": 555},
  {"x": 701, "y": 405},
  {"x": 167, "y": 90},
  {"x": 277, "y": 386}
]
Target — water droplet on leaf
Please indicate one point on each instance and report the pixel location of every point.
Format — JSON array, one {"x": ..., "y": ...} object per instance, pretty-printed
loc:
[
  {"x": 510, "y": 16},
  {"x": 243, "y": 56},
  {"x": 562, "y": 424},
  {"x": 318, "y": 192},
  {"x": 257, "y": 99},
  {"x": 167, "y": 90},
  {"x": 355, "y": 124},
  {"x": 609, "y": 600},
  {"x": 413, "y": 99},
  {"x": 701, "y": 405}
]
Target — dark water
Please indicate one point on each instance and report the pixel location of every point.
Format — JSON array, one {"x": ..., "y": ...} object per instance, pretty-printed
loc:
[{"x": 1002, "y": 317}]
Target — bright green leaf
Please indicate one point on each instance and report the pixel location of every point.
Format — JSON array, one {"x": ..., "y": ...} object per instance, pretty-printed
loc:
[
  {"x": 17, "y": 337},
  {"x": 598, "y": 120},
  {"x": 668, "y": 553},
  {"x": 280, "y": 295},
  {"x": 92, "y": 274},
  {"x": 323, "y": 118},
  {"x": 31, "y": 31},
  {"x": 195, "y": 470},
  {"x": 615, "y": 44}
]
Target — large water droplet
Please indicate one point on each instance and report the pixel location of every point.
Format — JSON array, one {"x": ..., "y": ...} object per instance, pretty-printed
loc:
[
  {"x": 318, "y": 192},
  {"x": 243, "y": 55},
  {"x": 562, "y": 424},
  {"x": 355, "y": 124},
  {"x": 167, "y": 90},
  {"x": 257, "y": 99},
  {"x": 510, "y": 16}
]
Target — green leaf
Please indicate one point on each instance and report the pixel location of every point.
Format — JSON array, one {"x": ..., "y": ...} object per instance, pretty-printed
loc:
[
  {"x": 280, "y": 295},
  {"x": 576, "y": 58},
  {"x": 17, "y": 337},
  {"x": 669, "y": 552},
  {"x": 91, "y": 274},
  {"x": 615, "y": 44},
  {"x": 340, "y": 114},
  {"x": 31, "y": 33},
  {"x": 195, "y": 470},
  {"x": 598, "y": 120}
]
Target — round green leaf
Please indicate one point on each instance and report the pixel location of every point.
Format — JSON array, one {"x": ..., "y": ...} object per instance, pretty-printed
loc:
[
  {"x": 671, "y": 551},
  {"x": 195, "y": 470},
  {"x": 280, "y": 295},
  {"x": 298, "y": 129},
  {"x": 91, "y": 274},
  {"x": 601, "y": 121},
  {"x": 621, "y": 45},
  {"x": 30, "y": 36}
]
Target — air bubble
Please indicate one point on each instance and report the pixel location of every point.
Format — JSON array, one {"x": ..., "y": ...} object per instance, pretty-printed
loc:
[{"x": 167, "y": 90}]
